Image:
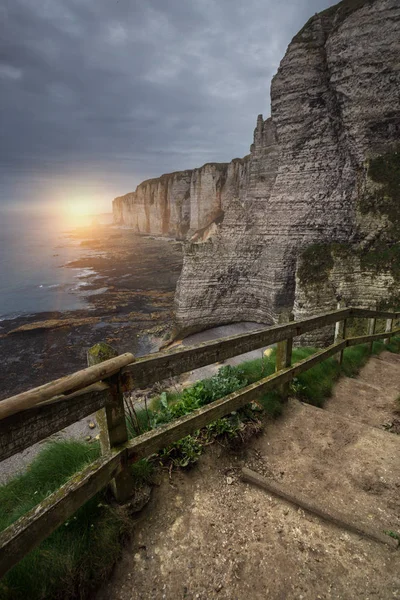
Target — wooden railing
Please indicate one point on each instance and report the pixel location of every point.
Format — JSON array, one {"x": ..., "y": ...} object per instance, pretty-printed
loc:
[{"x": 38, "y": 413}]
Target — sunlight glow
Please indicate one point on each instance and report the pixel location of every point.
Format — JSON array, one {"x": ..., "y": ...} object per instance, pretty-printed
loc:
[
  {"x": 79, "y": 211},
  {"x": 80, "y": 207}
]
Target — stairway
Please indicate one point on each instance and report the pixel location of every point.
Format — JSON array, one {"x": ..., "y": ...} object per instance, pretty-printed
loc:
[
  {"x": 208, "y": 535},
  {"x": 342, "y": 457}
]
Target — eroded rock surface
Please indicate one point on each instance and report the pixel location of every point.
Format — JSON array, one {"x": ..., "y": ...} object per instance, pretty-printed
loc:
[
  {"x": 313, "y": 213},
  {"x": 175, "y": 204}
]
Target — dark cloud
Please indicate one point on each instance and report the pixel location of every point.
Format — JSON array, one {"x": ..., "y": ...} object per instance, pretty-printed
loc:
[{"x": 108, "y": 92}]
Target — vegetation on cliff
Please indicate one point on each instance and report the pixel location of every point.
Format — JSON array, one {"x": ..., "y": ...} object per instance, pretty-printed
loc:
[{"x": 384, "y": 199}]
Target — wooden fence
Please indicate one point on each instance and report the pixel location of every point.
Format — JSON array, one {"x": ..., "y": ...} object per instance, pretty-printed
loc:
[{"x": 38, "y": 413}]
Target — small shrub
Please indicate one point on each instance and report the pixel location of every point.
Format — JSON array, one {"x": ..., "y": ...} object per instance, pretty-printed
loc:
[
  {"x": 142, "y": 471},
  {"x": 272, "y": 404},
  {"x": 184, "y": 453}
]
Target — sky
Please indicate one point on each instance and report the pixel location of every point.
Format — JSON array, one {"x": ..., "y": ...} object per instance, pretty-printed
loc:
[{"x": 98, "y": 95}]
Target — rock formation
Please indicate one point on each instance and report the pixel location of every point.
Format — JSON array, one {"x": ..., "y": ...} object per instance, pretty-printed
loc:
[
  {"x": 175, "y": 204},
  {"x": 313, "y": 213}
]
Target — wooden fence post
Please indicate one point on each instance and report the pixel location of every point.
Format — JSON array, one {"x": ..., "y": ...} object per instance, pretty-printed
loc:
[
  {"x": 371, "y": 331},
  {"x": 284, "y": 355},
  {"x": 344, "y": 334},
  {"x": 111, "y": 421},
  {"x": 389, "y": 327},
  {"x": 340, "y": 332}
]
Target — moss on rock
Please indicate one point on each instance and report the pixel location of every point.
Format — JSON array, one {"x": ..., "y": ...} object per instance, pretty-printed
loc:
[
  {"x": 384, "y": 200},
  {"x": 318, "y": 260},
  {"x": 316, "y": 263}
]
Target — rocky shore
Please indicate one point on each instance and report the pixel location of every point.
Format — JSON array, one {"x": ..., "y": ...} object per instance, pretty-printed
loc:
[{"x": 129, "y": 291}]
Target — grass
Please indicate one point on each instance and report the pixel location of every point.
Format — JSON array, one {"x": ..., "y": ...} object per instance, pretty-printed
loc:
[
  {"x": 79, "y": 554},
  {"x": 74, "y": 560}
]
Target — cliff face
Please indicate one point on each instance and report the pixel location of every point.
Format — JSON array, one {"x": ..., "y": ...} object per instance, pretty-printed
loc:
[
  {"x": 160, "y": 206},
  {"x": 317, "y": 176},
  {"x": 175, "y": 204},
  {"x": 312, "y": 214}
]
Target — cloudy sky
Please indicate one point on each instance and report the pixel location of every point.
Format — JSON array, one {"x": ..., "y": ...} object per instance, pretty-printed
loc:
[{"x": 97, "y": 95}]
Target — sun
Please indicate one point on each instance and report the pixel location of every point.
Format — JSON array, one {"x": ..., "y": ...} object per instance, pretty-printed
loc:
[
  {"x": 79, "y": 208},
  {"x": 78, "y": 211}
]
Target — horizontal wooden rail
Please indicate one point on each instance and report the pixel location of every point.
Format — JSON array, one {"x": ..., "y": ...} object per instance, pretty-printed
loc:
[
  {"x": 361, "y": 313},
  {"x": 363, "y": 339},
  {"x": 19, "y": 431},
  {"x": 161, "y": 365},
  {"x": 25, "y": 428},
  {"x": 70, "y": 383}
]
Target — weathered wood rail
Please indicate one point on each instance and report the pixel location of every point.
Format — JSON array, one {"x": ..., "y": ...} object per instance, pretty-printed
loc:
[{"x": 38, "y": 413}]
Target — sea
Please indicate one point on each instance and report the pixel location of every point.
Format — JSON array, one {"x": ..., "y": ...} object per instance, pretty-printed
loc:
[{"x": 34, "y": 249}]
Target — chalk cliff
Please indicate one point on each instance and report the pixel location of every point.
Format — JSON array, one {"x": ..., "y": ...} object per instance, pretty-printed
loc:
[
  {"x": 316, "y": 214},
  {"x": 175, "y": 204},
  {"x": 312, "y": 214}
]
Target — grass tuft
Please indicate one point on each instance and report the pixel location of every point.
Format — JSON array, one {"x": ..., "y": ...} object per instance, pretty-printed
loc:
[
  {"x": 142, "y": 472},
  {"x": 79, "y": 554}
]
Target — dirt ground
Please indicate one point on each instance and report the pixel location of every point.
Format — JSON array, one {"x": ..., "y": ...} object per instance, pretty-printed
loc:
[{"x": 206, "y": 534}]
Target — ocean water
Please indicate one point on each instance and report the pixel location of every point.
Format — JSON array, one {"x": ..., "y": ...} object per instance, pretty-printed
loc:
[{"x": 33, "y": 251}]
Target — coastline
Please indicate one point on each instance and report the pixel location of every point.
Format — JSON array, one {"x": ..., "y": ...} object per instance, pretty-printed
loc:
[{"x": 128, "y": 283}]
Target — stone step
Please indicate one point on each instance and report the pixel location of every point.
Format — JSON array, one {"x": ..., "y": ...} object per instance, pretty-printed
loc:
[{"x": 389, "y": 357}]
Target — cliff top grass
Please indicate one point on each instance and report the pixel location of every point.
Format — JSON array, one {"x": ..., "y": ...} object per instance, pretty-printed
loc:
[{"x": 80, "y": 554}]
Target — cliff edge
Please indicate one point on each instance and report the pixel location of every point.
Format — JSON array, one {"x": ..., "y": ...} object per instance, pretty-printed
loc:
[{"x": 312, "y": 215}]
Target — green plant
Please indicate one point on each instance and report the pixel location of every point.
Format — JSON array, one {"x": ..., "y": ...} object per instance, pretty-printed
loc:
[
  {"x": 228, "y": 426},
  {"x": 227, "y": 380},
  {"x": 79, "y": 554},
  {"x": 271, "y": 403},
  {"x": 392, "y": 534},
  {"x": 142, "y": 471},
  {"x": 183, "y": 453},
  {"x": 385, "y": 169},
  {"x": 297, "y": 388},
  {"x": 316, "y": 263}
]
